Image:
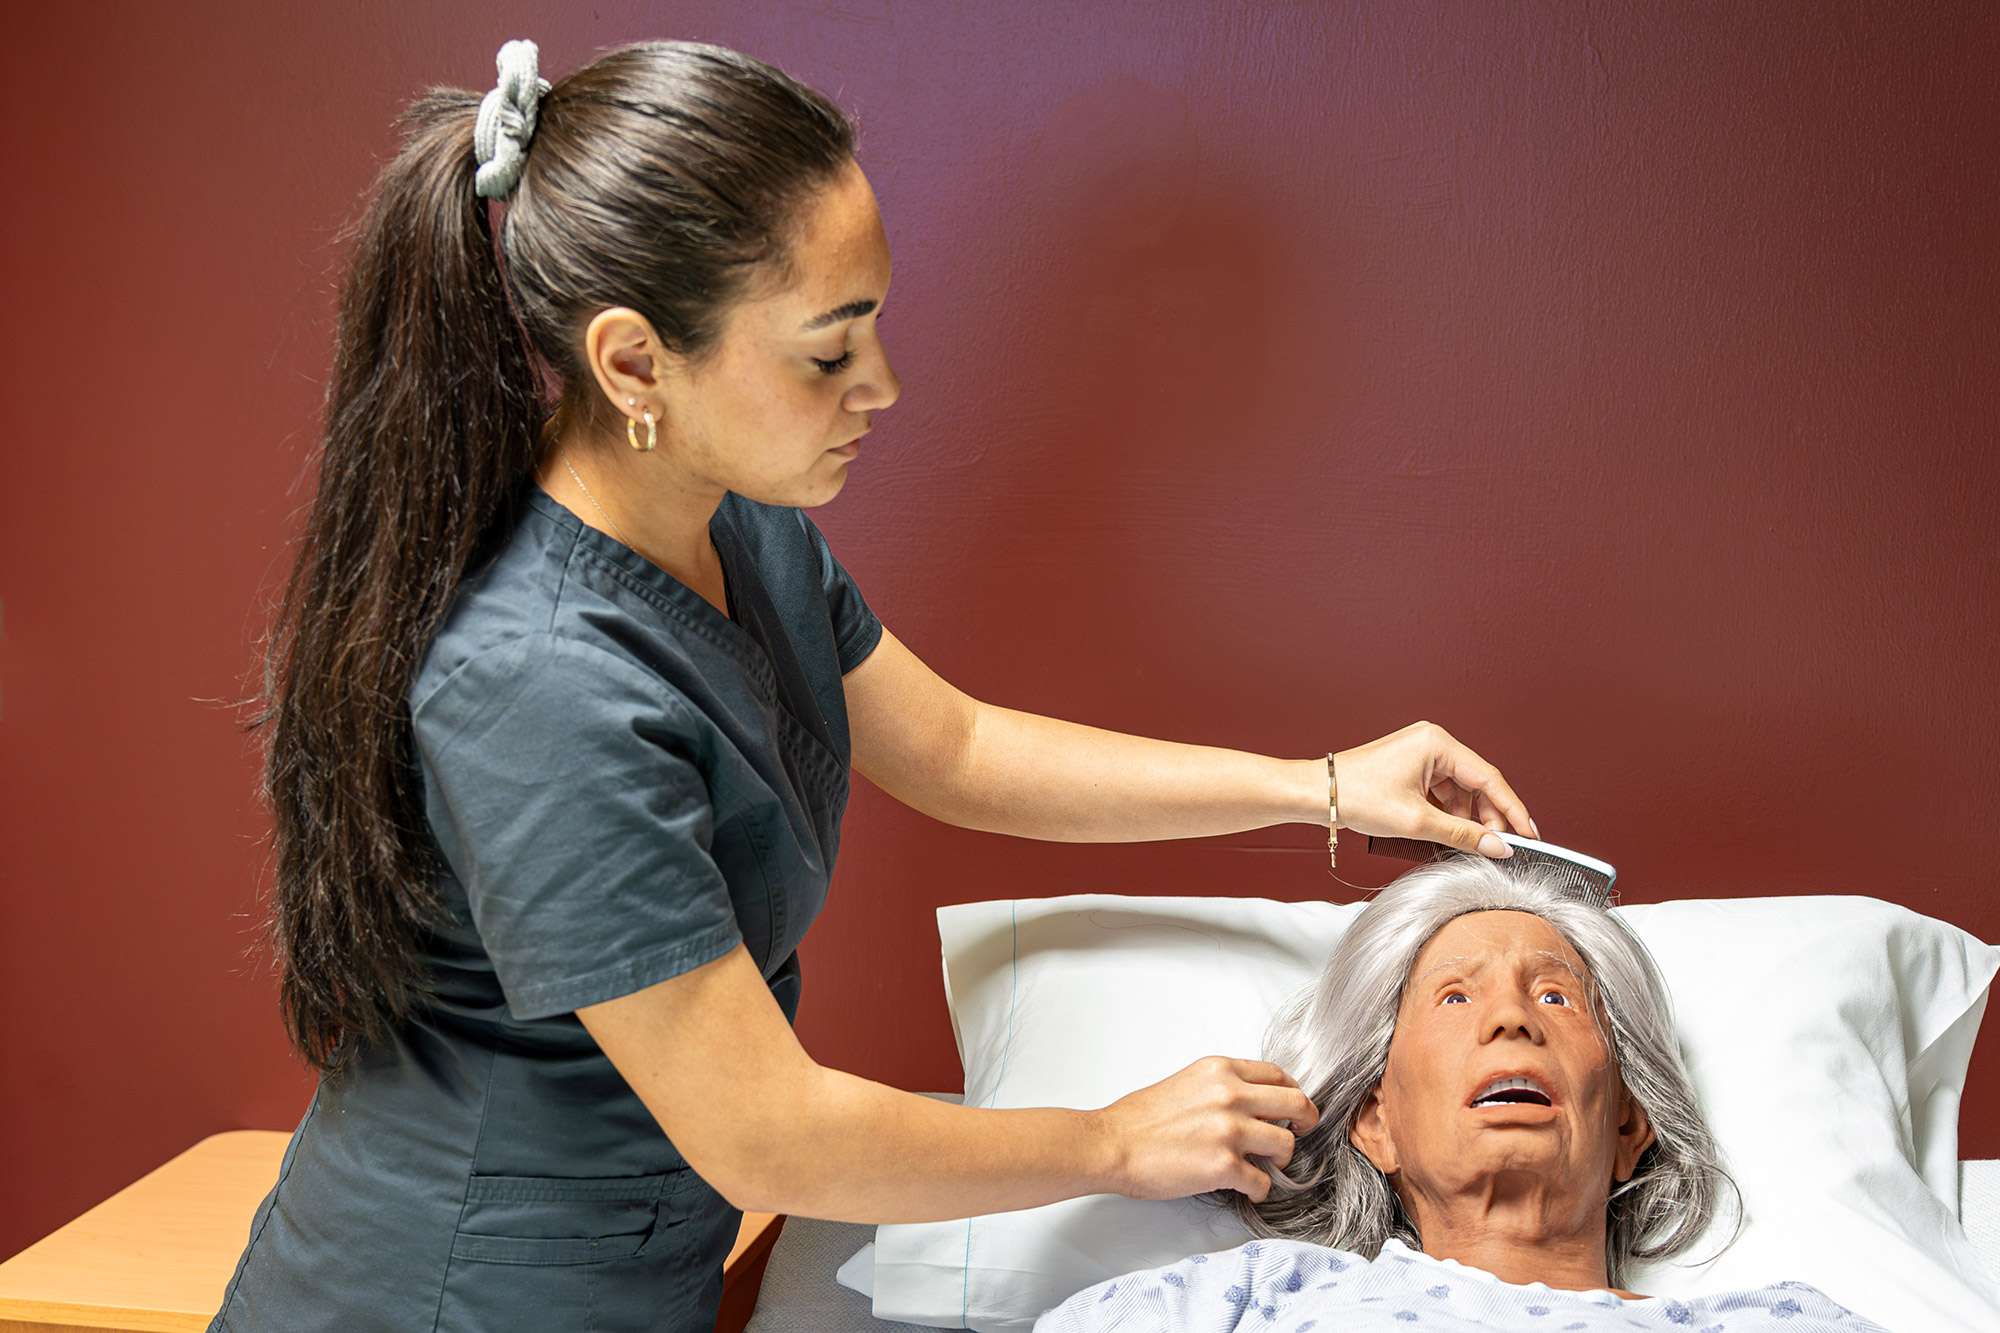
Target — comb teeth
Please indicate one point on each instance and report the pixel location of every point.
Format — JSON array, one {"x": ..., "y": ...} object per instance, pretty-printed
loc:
[
  {"x": 1567, "y": 877},
  {"x": 1575, "y": 875}
]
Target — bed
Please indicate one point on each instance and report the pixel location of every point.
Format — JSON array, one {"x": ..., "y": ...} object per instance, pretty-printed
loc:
[
  {"x": 1071, "y": 1000},
  {"x": 800, "y": 1295}
]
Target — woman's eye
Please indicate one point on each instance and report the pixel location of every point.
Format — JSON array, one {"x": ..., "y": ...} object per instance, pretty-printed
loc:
[
  {"x": 1554, "y": 995},
  {"x": 835, "y": 367},
  {"x": 1456, "y": 996}
]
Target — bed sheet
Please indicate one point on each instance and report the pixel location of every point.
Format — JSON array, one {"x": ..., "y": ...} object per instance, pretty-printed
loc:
[{"x": 800, "y": 1295}]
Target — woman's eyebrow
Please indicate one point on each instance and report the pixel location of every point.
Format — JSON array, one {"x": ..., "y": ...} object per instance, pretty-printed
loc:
[{"x": 849, "y": 311}]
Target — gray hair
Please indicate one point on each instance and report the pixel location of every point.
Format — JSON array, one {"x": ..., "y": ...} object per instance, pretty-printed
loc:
[{"x": 1333, "y": 1036}]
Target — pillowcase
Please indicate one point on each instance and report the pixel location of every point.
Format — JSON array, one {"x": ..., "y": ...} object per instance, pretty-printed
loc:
[{"x": 1827, "y": 1038}]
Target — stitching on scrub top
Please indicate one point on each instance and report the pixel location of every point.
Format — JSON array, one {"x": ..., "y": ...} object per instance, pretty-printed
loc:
[
  {"x": 774, "y": 900},
  {"x": 843, "y": 650},
  {"x": 755, "y": 657},
  {"x": 562, "y": 579},
  {"x": 554, "y": 642},
  {"x": 760, "y": 667},
  {"x": 229, "y": 1296},
  {"x": 471, "y": 1159},
  {"x": 479, "y": 658},
  {"x": 757, "y": 661},
  {"x": 814, "y": 750},
  {"x": 1006, "y": 1051}
]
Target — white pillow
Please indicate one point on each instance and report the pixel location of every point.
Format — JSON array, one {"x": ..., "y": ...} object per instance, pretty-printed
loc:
[{"x": 1828, "y": 1039}]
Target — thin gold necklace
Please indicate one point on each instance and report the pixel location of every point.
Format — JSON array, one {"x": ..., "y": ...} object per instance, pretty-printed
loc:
[
  {"x": 593, "y": 500},
  {"x": 600, "y": 509}
]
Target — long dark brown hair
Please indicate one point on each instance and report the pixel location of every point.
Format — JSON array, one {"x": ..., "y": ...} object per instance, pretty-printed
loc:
[{"x": 670, "y": 177}]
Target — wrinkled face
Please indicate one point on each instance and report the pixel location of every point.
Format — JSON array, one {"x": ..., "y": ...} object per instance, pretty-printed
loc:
[
  {"x": 1498, "y": 1081},
  {"x": 799, "y": 373}
]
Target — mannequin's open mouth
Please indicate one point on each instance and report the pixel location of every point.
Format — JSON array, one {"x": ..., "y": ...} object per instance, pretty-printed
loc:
[{"x": 1513, "y": 1090}]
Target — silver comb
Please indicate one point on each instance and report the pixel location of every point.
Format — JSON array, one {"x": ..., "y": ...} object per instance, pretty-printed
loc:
[{"x": 1581, "y": 877}]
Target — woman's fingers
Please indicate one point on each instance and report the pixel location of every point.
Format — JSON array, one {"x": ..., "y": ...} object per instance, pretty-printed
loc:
[
  {"x": 1473, "y": 806},
  {"x": 1284, "y": 1104},
  {"x": 1468, "y": 795},
  {"x": 1272, "y": 1141},
  {"x": 1260, "y": 1071},
  {"x": 1270, "y": 1094},
  {"x": 1463, "y": 766},
  {"x": 1451, "y": 798}
]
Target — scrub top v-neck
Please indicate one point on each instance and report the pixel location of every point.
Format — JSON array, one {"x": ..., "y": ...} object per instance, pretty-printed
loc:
[{"x": 622, "y": 783}]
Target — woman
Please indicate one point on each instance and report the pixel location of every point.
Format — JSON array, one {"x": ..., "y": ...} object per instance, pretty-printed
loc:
[
  {"x": 1505, "y": 1128},
  {"x": 564, "y": 714}
]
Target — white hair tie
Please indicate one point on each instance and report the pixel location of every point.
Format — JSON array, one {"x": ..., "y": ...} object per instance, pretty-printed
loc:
[{"x": 507, "y": 120}]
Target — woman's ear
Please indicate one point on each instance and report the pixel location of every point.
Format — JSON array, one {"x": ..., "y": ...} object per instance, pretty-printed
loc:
[
  {"x": 1635, "y": 1135},
  {"x": 1371, "y": 1134}
]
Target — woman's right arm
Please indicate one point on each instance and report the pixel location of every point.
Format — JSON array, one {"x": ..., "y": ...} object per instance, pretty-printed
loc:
[{"x": 711, "y": 1055}]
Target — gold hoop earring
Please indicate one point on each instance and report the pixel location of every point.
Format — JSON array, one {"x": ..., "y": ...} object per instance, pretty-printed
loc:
[{"x": 652, "y": 433}]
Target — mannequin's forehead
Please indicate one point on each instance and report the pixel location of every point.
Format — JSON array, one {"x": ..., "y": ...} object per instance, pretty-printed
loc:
[{"x": 1478, "y": 936}]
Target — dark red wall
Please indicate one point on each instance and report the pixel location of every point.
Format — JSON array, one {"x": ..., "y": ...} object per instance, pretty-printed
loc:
[{"x": 1615, "y": 385}]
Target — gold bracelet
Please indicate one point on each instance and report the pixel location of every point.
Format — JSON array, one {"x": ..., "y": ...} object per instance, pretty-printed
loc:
[{"x": 1332, "y": 814}]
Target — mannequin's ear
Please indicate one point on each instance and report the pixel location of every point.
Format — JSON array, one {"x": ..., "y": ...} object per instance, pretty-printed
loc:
[
  {"x": 1635, "y": 1135},
  {"x": 1371, "y": 1134}
]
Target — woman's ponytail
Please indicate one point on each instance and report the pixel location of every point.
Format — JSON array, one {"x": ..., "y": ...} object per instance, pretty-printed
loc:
[{"x": 431, "y": 426}]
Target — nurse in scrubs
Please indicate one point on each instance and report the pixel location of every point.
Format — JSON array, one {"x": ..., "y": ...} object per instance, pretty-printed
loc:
[{"x": 563, "y": 696}]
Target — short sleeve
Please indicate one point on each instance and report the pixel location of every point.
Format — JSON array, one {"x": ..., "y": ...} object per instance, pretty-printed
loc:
[
  {"x": 856, "y": 629},
  {"x": 562, "y": 788}
]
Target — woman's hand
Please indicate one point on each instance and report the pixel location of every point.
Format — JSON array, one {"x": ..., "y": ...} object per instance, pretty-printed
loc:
[
  {"x": 1189, "y": 1133},
  {"x": 1420, "y": 782}
]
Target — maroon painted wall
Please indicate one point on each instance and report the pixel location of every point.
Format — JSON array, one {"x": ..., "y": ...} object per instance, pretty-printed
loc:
[{"x": 1615, "y": 385}]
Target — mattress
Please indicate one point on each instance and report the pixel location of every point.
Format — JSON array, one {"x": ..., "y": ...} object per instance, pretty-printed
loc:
[{"x": 800, "y": 1296}]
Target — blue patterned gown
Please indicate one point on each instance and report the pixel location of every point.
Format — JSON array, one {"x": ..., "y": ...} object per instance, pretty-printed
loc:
[{"x": 1294, "y": 1286}]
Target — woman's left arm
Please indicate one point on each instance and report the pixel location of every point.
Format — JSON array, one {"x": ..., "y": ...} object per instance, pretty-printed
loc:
[
  {"x": 1041, "y": 777},
  {"x": 957, "y": 759},
  {"x": 978, "y": 765}
]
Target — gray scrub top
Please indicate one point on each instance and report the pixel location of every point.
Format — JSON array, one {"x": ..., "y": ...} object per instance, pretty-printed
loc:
[{"x": 624, "y": 783}]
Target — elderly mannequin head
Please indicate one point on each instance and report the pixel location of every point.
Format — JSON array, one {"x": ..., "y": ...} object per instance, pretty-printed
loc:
[
  {"x": 1501, "y": 1106},
  {"x": 1498, "y": 1084}
]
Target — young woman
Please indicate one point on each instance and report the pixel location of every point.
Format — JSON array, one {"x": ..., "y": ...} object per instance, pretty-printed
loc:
[{"x": 564, "y": 703}]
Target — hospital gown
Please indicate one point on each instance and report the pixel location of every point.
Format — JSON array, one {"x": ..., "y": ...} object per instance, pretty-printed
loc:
[{"x": 1294, "y": 1286}]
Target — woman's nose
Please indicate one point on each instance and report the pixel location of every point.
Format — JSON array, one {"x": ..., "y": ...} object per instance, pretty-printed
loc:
[
  {"x": 881, "y": 389},
  {"x": 886, "y": 388}
]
